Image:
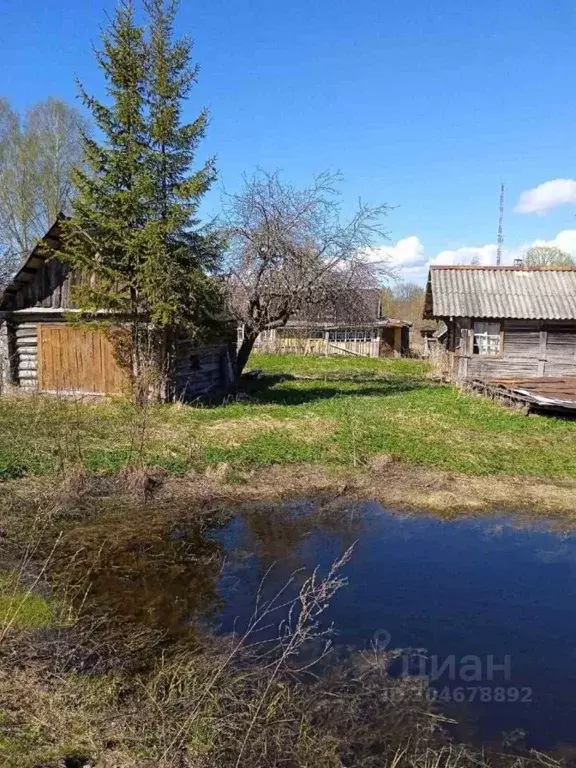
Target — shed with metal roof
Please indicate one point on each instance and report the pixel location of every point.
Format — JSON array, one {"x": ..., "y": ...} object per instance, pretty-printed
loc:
[{"x": 505, "y": 322}]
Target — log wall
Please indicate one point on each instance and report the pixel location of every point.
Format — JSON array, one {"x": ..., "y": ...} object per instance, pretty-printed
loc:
[
  {"x": 5, "y": 357},
  {"x": 530, "y": 348},
  {"x": 26, "y": 344},
  {"x": 197, "y": 371}
]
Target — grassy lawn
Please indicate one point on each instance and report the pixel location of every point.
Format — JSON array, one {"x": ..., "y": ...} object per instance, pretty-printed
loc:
[
  {"x": 338, "y": 367},
  {"x": 344, "y": 412}
]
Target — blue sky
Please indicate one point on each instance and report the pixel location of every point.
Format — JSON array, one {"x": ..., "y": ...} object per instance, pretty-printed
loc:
[{"x": 425, "y": 106}]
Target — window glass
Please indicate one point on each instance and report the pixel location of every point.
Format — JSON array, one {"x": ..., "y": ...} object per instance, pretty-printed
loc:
[
  {"x": 350, "y": 335},
  {"x": 487, "y": 339},
  {"x": 360, "y": 335}
]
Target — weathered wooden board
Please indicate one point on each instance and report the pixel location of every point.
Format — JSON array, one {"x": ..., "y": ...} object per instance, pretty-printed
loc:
[
  {"x": 535, "y": 393},
  {"x": 200, "y": 371},
  {"x": 530, "y": 348},
  {"x": 72, "y": 359},
  {"x": 50, "y": 287}
]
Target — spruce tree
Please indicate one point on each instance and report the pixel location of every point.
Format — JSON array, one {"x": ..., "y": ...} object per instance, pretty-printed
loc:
[
  {"x": 134, "y": 229},
  {"x": 181, "y": 251}
]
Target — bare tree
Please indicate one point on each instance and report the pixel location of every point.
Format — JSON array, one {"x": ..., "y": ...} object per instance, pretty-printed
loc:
[
  {"x": 291, "y": 252},
  {"x": 37, "y": 154},
  {"x": 405, "y": 301},
  {"x": 16, "y": 191},
  {"x": 57, "y": 131},
  {"x": 547, "y": 256},
  {"x": 467, "y": 259}
]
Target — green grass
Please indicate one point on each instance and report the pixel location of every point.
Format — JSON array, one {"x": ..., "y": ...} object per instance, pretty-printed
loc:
[
  {"x": 23, "y": 608},
  {"x": 337, "y": 366},
  {"x": 344, "y": 412}
]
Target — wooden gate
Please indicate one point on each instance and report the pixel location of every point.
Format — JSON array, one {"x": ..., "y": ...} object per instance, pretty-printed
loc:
[{"x": 77, "y": 359}]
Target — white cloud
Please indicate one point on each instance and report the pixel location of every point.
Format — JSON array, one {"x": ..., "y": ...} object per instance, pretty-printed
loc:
[
  {"x": 546, "y": 196},
  {"x": 406, "y": 253},
  {"x": 482, "y": 255},
  {"x": 406, "y": 258},
  {"x": 565, "y": 240},
  {"x": 410, "y": 262}
]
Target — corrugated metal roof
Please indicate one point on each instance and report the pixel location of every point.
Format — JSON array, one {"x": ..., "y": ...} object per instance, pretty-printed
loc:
[
  {"x": 387, "y": 322},
  {"x": 528, "y": 293}
]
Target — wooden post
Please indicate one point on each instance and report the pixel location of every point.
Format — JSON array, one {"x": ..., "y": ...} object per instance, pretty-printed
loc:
[
  {"x": 7, "y": 354},
  {"x": 4, "y": 356},
  {"x": 466, "y": 347},
  {"x": 542, "y": 352},
  {"x": 375, "y": 344},
  {"x": 397, "y": 341},
  {"x": 326, "y": 342}
]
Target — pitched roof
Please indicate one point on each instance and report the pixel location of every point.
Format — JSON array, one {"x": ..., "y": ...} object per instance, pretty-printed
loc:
[
  {"x": 528, "y": 293},
  {"x": 357, "y": 305},
  {"x": 385, "y": 322},
  {"x": 38, "y": 256}
]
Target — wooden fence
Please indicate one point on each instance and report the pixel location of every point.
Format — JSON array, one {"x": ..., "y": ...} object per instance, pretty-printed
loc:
[{"x": 304, "y": 346}]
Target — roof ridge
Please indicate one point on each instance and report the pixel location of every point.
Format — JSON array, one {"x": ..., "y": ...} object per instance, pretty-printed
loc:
[{"x": 504, "y": 268}]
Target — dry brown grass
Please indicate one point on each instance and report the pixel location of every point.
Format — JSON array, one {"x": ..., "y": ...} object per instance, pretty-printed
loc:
[
  {"x": 234, "y": 432},
  {"x": 394, "y": 484},
  {"x": 230, "y": 704},
  {"x": 38, "y": 504},
  {"x": 222, "y": 705}
]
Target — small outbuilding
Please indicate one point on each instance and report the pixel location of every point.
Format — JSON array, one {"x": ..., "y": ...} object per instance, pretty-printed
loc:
[
  {"x": 356, "y": 327},
  {"x": 505, "y": 323},
  {"x": 380, "y": 338},
  {"x": 43, "y": 350}
]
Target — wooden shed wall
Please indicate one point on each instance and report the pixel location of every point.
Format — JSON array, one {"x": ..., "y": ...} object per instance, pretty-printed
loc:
[
  {"x": 560, "y": 350},
  {"x": 6, "y": 354},
  {"x": 50, "y": 288},
  {"x": 42, "y": 292},
  {"x": 199, "y": 371},
  {"x": 530, "y": 348},
  {"x": 391, "y": 341}
]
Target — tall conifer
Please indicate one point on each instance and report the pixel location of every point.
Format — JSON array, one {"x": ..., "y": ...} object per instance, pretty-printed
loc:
[
  {"x": 134, "y": 229},
  {"x": 180, "y": 249}
]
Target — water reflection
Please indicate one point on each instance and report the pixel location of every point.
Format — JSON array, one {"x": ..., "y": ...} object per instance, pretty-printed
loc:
[
  {"x": 154, "y": 570},
  {"x": 486, "y": 589},
  {"x": 481, "y": 588}
]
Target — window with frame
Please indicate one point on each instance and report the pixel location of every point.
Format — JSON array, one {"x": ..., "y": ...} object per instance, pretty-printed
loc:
[
  {"x": 350, "y": 335},
  {"x": 361, "y": 335},
  {"x": 487, "y": 339}
]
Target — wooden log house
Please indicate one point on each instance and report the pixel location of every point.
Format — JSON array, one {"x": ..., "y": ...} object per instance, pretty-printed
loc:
[
  {"x": 41, "y": 350},
  {"x": 505, "y": 322}
]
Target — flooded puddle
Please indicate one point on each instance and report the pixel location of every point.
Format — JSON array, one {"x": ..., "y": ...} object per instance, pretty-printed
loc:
[
  {"x": 490, "y": 602},
  {"x": 493, "y": 605}
]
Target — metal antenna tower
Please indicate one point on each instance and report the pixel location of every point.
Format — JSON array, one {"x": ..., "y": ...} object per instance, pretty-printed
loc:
[{"x": 500, "y": 222}]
